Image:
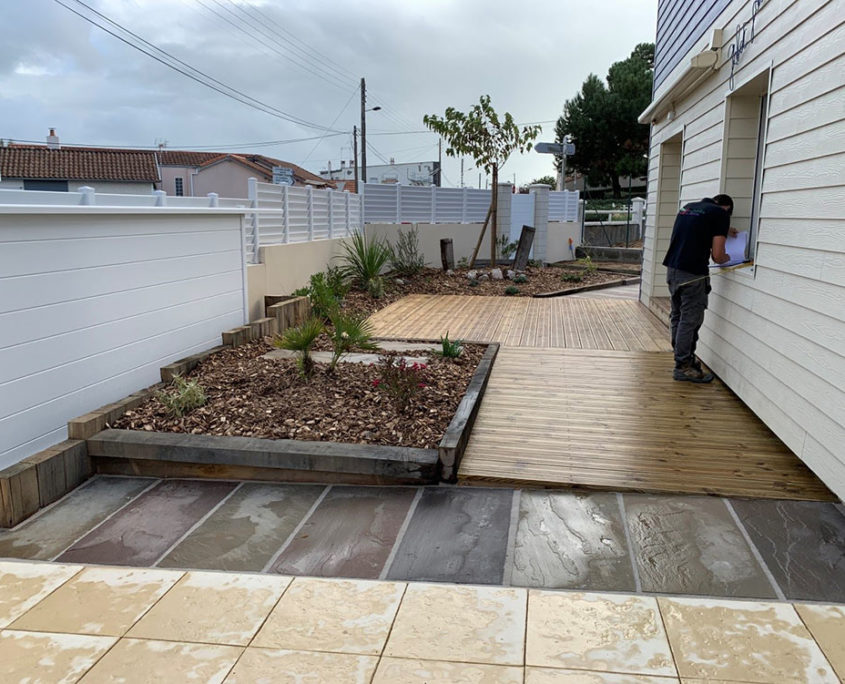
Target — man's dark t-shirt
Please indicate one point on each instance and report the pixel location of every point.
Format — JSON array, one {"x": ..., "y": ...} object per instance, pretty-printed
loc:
[{"x": 692, "y": 236}]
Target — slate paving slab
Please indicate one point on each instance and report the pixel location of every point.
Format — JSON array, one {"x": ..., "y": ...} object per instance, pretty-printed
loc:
[
  {"x": 145, "y": 529},
  {"x": 802, "y": 543},
  {"x": 574, "y": 541},
  {"x": 457, "y": 534},
  {"x": 349, "y": 534},
  {"x": 245, "y": 532},
  {"x": 691, "y": 545},
  {"x": 48, "y": 534}
]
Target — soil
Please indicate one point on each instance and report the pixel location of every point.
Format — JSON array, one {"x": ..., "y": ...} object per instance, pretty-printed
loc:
[
  {"x": 436, "y": 282},
  {"x": 268, "y": 398}
]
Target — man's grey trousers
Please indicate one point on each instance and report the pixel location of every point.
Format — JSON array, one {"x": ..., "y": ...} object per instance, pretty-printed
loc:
[{"x": 689, "y": 300}]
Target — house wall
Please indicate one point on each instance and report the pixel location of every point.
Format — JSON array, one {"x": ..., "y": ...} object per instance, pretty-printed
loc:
[
  {"x": 773, "y": 333},
  {"x": 168, "y": 180},
  {"x": 95, "y": 300},
  {"x": 226, "y": 178}
]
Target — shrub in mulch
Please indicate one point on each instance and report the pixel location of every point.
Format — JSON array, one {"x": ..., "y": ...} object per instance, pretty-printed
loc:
[{"x": 255, "y": 397}]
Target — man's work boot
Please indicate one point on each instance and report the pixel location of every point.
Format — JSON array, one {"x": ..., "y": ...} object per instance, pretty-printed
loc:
[{"x": 689, "y": 373}]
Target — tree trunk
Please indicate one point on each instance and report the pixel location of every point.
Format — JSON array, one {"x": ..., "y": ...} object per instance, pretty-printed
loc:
[
  {"x": 480, "y": 237},
  {"x": 617, "y": 189},
  {"x": 494, "y": 215}
]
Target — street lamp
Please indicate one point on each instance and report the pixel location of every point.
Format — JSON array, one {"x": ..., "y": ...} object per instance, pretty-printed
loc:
[{"x": 364, "y": 111}]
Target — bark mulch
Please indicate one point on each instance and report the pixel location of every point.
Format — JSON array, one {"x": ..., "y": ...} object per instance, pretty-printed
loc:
[
  {"x": 268, "y": 398},
  {"x": 436, "y": 282}
]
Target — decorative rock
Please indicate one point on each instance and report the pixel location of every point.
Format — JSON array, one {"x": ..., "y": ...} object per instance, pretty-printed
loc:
[
  {"x": 511, "y": 274},
  {"x": 450, "y": 272},
  {"x": 482, "y": 278},
  {"x": 472, "y": 275},
  {"x": 399, "y": 281},
  {"x": 496, "y": 274}
]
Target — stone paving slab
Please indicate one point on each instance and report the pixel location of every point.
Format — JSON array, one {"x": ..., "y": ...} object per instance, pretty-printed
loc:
[
  {"x": 333, "y": 630},
  {"x": 597, "y": 541}
]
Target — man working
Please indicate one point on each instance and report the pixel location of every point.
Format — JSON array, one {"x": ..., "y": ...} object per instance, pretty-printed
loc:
[{"x": 699, "y": 233}]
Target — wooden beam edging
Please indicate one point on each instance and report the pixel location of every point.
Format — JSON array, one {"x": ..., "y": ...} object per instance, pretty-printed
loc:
[
  {"x": 454, "y": 442},
  {"x": 322, "y": 461},
  {"x": 588, "y": 288}
]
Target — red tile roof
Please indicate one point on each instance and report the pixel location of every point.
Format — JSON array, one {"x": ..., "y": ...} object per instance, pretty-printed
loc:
[{"x": 77, "y": 163}]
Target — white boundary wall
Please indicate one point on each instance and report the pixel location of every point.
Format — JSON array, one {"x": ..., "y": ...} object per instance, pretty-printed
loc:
[
  {"x": 429, "y": 204},
  {"x": 93, "y": 300}
]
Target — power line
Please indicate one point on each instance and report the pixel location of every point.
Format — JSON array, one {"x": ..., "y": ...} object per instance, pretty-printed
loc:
[
  {"x": 343, "y": 109},
  {"x": 204, "y": 79},
  {"x": 189, "y": 148}
]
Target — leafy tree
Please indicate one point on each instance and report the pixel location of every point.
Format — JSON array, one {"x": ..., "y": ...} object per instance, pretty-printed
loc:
[
  {"x": 609, "y": 142},
  {"x": 545, "y": 180},
  {"x": 489, "y": 140}
]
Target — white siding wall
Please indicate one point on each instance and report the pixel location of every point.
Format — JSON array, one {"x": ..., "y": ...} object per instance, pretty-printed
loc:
[
  {"x": 776, "y": 335},
  {"x": 100, "y": 186},
  {"x": 93, "y": 303}
]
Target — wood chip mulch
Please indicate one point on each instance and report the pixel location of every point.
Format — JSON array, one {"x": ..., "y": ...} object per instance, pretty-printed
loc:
[
  {"x": 255, "y": 397},
  {"x": 436, "y": 282}
]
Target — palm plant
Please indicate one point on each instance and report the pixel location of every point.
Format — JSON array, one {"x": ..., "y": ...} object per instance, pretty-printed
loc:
[
  {"x": 301, "y": 339},
  {"x": 350, "y": 332},
  {"x": 363, "y": 262}
]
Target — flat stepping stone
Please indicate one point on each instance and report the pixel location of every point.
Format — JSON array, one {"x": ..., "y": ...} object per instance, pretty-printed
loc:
[{"x": 326, "y": 357}]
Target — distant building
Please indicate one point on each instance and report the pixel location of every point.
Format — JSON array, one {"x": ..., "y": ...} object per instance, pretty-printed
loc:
[
  {"x": 195, "y": 174},
  {"x": 64, "y": 169},
  {"x": 413, "y": 173}
]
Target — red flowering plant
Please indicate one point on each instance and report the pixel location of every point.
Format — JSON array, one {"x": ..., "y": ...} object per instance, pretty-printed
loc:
[{"x": 401, "y": 380}]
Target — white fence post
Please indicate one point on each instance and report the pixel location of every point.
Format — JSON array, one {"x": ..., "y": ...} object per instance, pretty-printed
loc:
[
  {"x": 541, "y": 219},
  {"x": 346, "y": 212},
  {"x": 331, "y": 214},
  {"x": 213, "y": 199},
  {"x": 433, "y": 204},
  {"x": 398, "y": 204},
  {"x": 87, "y": 195},
  {"x": 309, "y": 194},
  {"x": 255, "y": 226},
  {"x": 161, "y": 198},
  {"x": 464, "y": 195},
  {"x": 638, "y": 210},
  {"x": 286, "y": 219}
]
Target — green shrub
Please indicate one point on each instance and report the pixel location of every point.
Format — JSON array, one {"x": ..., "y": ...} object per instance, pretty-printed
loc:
[
  {"x": 511, "y": 290},
  {"x": 402, "y": 381},
  {"x": 474, "y": 283},
  {"x": 186, "y": 396},
  {"x": 504, "y": 247},
  {"x": 520, "y": 278},
  {"x": 301, "y": 339},
  {"x": 375, "y": 287},
  {"x": 363, "y": 260},
  {"x": 450, "y": 349},
  {"x": 588, "y": 265},
  {"x": 463, "y": 262},
  {"x": 570, "y": 278},
  {"x": 405, "y": 257},
  {"x": 349, "y": 332}
]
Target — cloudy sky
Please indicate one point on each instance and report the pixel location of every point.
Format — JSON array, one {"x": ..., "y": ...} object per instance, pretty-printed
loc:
[{"x": 304, "y": 60}]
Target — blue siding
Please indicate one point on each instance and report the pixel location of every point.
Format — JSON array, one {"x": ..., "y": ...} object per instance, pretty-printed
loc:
[{"x": 680, "y": 23}]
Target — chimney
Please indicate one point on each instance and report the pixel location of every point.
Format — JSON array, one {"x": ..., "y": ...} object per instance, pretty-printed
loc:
[
  {"x": 53, "y": 140},
  {"x": 392, "y": 161},
  {"x": 342, "y": 163},
  {"x": 330, "y": 168}
]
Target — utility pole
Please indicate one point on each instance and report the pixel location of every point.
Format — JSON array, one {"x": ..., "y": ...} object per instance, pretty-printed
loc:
[
  {"x": 363, "y": 131},
  {"x": 462, "y": 172},
  {"x": 355, "y": 155}
]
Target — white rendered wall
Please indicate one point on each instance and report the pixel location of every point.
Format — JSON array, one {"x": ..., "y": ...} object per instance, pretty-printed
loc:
[
  {"x": 775, "y": 334},
  {"x": 93, "y": 303}
]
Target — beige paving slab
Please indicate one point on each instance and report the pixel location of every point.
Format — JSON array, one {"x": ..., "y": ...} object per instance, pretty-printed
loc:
[
  {"x": 34, "y": 657},
  {"x": 213, "y": 607},
  {"x": 339, "y": 616},
  {"x": 402, "y": 671},
  {"x": 460, "y": 623},
  {"x": 140, "y": 661},
  {"x": 302, "y": 667},
  {"x": 544, "y": 675},
  {"x": 602, "y": 632},
  {"x": 22, "y": 585},
  {"x": 99, "y": 601},
  {"x": 827, "y": 625},
  {"x": 742, "y": 641}
]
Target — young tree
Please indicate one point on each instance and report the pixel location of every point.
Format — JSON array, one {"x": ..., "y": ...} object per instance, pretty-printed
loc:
[
  {"x": 609, "y": 142},
  {"x": 489, "y": 140},
  {"x": 545, "y": 180}
]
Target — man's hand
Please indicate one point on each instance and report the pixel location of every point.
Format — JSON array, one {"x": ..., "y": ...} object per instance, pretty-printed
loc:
[
  {"x": 732, "y": 232},
  {"x": 720, "y": 256}
]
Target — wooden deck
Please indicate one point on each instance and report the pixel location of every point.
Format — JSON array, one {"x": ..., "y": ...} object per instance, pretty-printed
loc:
[
  {"x": 617, "y": 420},
  {"x": 561, "y": 322},
  {"x": 581, "y": 395}
]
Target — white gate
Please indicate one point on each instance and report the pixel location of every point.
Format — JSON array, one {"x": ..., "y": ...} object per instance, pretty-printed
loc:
[{"x": 522, "y": 214}]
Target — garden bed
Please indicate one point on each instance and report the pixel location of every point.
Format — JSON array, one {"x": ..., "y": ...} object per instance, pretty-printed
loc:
[{"x": 256, "y": 399}]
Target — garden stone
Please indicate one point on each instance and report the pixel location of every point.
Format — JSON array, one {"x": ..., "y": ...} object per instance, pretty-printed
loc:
[
  {"x": 399, "y": 281},
  {"x": 496, "y": 274},
  {"x": 511, "y": 274},
  {"x": 483, "y": 278},
  {"x": 450, "y": 272},
  {"x": 472, "y": 275}
]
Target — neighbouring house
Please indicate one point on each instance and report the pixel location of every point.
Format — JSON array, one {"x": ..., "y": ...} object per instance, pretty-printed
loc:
[
  {"x": 749, "y": 100},
  {"x": 56, "y": 168},
  {"x": 195, "y": 174},
  {"x": 411, "y": 173}
]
